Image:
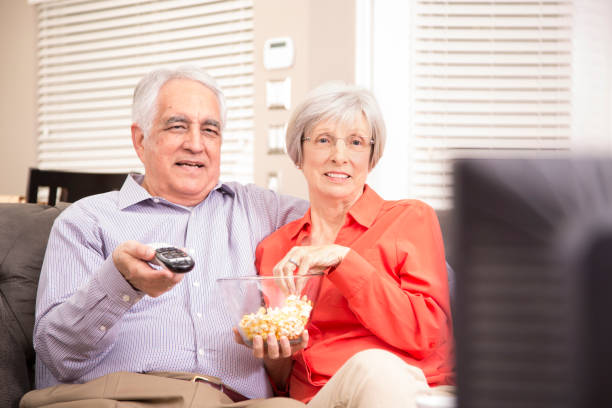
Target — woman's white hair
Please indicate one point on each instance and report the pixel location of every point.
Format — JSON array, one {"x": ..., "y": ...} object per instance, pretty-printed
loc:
[
  {"x": 144, "y": 105},
  {"x": 340, "y": 103}
]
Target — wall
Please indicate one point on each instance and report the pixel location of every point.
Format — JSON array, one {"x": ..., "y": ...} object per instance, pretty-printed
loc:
[
  {"x": 323, "y": 34},
  {"x": 18, "y": 96}
]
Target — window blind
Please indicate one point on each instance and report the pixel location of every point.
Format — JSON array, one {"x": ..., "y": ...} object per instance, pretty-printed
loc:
[
  {"x": 482, "y": 77},
  {"x": 490, "y": 77},
  {"x": 91, "y": 55}
]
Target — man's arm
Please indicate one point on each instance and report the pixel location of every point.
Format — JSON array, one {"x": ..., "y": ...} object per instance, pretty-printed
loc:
[
  {"x": 267, "y": 210},
  {"x": 81, "y": 298},
  {"x": 289, "y": 208}
]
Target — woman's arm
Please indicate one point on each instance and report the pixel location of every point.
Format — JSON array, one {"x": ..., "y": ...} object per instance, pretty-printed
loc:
[
  {"x": 398, "y": 288},
  {"x": 396, "y": 284}
]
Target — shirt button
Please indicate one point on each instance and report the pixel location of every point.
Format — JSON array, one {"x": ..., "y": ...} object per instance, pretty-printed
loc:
[
  {"x": 201, "y": 352},
  {"x": 126, "y": 298},
  {"x": 196, "y": 284},
  {"x": 199, "y": 315},
  {"x": 156, "y": 200},
  {"x": 102, "y": 328}
]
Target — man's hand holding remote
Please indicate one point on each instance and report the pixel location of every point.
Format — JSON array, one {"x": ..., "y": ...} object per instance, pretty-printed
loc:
[{"x": 132, "y": 259}]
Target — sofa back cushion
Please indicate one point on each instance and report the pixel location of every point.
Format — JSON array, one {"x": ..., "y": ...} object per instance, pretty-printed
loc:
[{"x": 24, "y": 231}]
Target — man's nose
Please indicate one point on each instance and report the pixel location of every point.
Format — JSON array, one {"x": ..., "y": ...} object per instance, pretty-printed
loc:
[{"x": 193, "y": 140}]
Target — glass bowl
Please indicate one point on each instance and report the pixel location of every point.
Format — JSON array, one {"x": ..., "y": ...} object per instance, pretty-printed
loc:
[{"x": 263, "y": 305}]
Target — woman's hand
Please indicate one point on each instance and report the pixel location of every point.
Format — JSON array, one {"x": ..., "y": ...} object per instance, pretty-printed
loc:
[
  {"x": 274, "y": 349},
  {"x": 301, "y": 260}
]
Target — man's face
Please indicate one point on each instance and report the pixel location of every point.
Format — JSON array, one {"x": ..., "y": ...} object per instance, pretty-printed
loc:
[{"x": 181, "y": 155}]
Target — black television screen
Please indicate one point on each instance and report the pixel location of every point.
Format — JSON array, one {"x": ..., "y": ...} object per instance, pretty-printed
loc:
[{"x": 533, "y": 263}]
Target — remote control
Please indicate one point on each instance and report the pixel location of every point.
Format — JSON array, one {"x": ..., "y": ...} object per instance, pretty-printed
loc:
[{"x": 174, "y": 259}]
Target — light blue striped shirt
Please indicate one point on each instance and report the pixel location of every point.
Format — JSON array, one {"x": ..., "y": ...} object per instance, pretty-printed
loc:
[{"x": 91, "y": 322}]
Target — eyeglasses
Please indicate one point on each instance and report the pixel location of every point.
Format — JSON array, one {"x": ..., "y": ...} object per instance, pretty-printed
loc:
[{"x": 327, "y": 142}]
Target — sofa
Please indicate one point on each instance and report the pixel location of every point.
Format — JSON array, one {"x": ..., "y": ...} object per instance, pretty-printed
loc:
[{"x": 24, "y": 231}]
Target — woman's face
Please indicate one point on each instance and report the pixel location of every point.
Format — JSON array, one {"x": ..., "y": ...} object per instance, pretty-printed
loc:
[{"x": 334, "y": 163}]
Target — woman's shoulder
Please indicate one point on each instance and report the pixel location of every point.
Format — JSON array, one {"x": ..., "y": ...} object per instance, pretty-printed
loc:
[
  {"x": 408, "y": 206},
  {"x": 273, "y": 247},
  {"x": 407, "y": 216}
]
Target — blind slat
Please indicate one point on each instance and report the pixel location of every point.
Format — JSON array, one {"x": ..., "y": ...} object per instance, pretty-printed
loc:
[
  {"x": 436, "y": 109},
  {"x": 160, "y": 29},
  {"x": 493, "y": 34},
  {"x": 493, "y": 143},
  {"x": 497, "y": 58},
  {"x": 90, "y": 12},
  {"x": 202, "y": 13},
  {"x": 141, "y": 56},
  {"x": 475, "y": 84},
  {"x": 54, "y": 46},
  {"x": 494, "y": 70},
  {"x": 199, "y": 57},
  {"x": 490, "y": 133},
  {"x": 503, "y": 8},
  {"x": 486, "y": 45}
]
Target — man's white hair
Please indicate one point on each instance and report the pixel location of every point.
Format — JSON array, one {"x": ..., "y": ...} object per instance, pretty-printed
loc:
[{"x": 144, "y": 105}]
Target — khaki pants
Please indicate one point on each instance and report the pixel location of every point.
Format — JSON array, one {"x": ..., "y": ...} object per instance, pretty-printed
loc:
[
  {"x": 132, "y": 390},
  {"x": 376, "y": 378},
  {"x": 369, "y": 379}
]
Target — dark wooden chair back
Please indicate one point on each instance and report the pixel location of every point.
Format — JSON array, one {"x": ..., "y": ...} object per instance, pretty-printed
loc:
[{"x": 74, "y": 185}]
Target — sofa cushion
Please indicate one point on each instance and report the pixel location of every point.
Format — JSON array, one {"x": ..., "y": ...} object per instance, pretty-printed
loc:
[{"x": 24, "y": 231}]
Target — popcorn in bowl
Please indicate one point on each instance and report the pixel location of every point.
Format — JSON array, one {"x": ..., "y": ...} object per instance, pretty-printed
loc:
[
  {"x": 264, "y": 305},
  {"x": 288, "y": 320}
]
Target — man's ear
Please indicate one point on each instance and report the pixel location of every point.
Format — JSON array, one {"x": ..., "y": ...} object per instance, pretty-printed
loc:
[{"x": 138, "y": 140}]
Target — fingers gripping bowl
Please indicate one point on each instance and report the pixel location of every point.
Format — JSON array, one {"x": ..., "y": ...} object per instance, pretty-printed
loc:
[{"x": 264, "y": 305}]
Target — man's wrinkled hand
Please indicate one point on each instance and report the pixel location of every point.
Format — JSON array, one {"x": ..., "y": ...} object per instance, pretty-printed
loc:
[{"x": 131, "y": 258}]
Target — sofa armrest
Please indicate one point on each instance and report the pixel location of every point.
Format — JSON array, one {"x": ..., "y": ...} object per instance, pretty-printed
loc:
[{"x": 24, "y": 231}]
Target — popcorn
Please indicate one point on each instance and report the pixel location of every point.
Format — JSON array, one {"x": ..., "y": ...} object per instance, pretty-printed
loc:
[{"x": 288, "y": 320}]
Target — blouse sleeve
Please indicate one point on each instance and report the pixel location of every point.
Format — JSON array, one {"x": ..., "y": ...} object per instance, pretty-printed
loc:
[{"x": 398, "y": 289}]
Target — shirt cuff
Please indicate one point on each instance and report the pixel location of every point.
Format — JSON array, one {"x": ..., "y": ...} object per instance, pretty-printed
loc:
[
  {"x": 350, "y": 275},
  {"x": 114, "y": 284}
]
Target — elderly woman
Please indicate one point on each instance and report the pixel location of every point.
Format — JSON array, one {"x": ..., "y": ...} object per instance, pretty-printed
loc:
[{"x": 385, "y": 288}]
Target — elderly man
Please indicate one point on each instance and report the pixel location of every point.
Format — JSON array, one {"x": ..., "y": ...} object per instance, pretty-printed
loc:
[{"x": 117, "y": 329}]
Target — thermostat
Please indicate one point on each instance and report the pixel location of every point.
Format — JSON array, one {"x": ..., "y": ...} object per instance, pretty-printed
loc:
[{"x": 278, "y": 53}]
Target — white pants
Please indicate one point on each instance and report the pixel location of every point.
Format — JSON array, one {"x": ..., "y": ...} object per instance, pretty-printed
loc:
[{"x": 375, "y": 378}]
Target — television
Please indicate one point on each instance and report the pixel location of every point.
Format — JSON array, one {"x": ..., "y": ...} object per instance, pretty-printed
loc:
[{"x": 533, "y": 263}]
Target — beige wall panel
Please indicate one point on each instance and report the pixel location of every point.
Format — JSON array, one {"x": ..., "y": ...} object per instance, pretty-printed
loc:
[
  {"x": 18, "y": 96},
  {"x": 323, "y": 34}
]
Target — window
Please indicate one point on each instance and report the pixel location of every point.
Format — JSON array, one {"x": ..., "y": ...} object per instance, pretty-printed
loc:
[
  {"x": 480, "y": 77},
  {"x": 92, "y": 53}
]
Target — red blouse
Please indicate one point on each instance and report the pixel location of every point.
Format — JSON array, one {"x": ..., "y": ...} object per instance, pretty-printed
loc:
[{"x": 390, "y": 292}]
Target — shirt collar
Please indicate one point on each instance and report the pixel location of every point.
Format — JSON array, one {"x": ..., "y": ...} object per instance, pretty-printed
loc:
[
  {"x": 364, "y": 212},
  {"x": 132, "y": 192},
  {"x": 298, "y": 225},
  {"x": 367, "y": 207}
]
